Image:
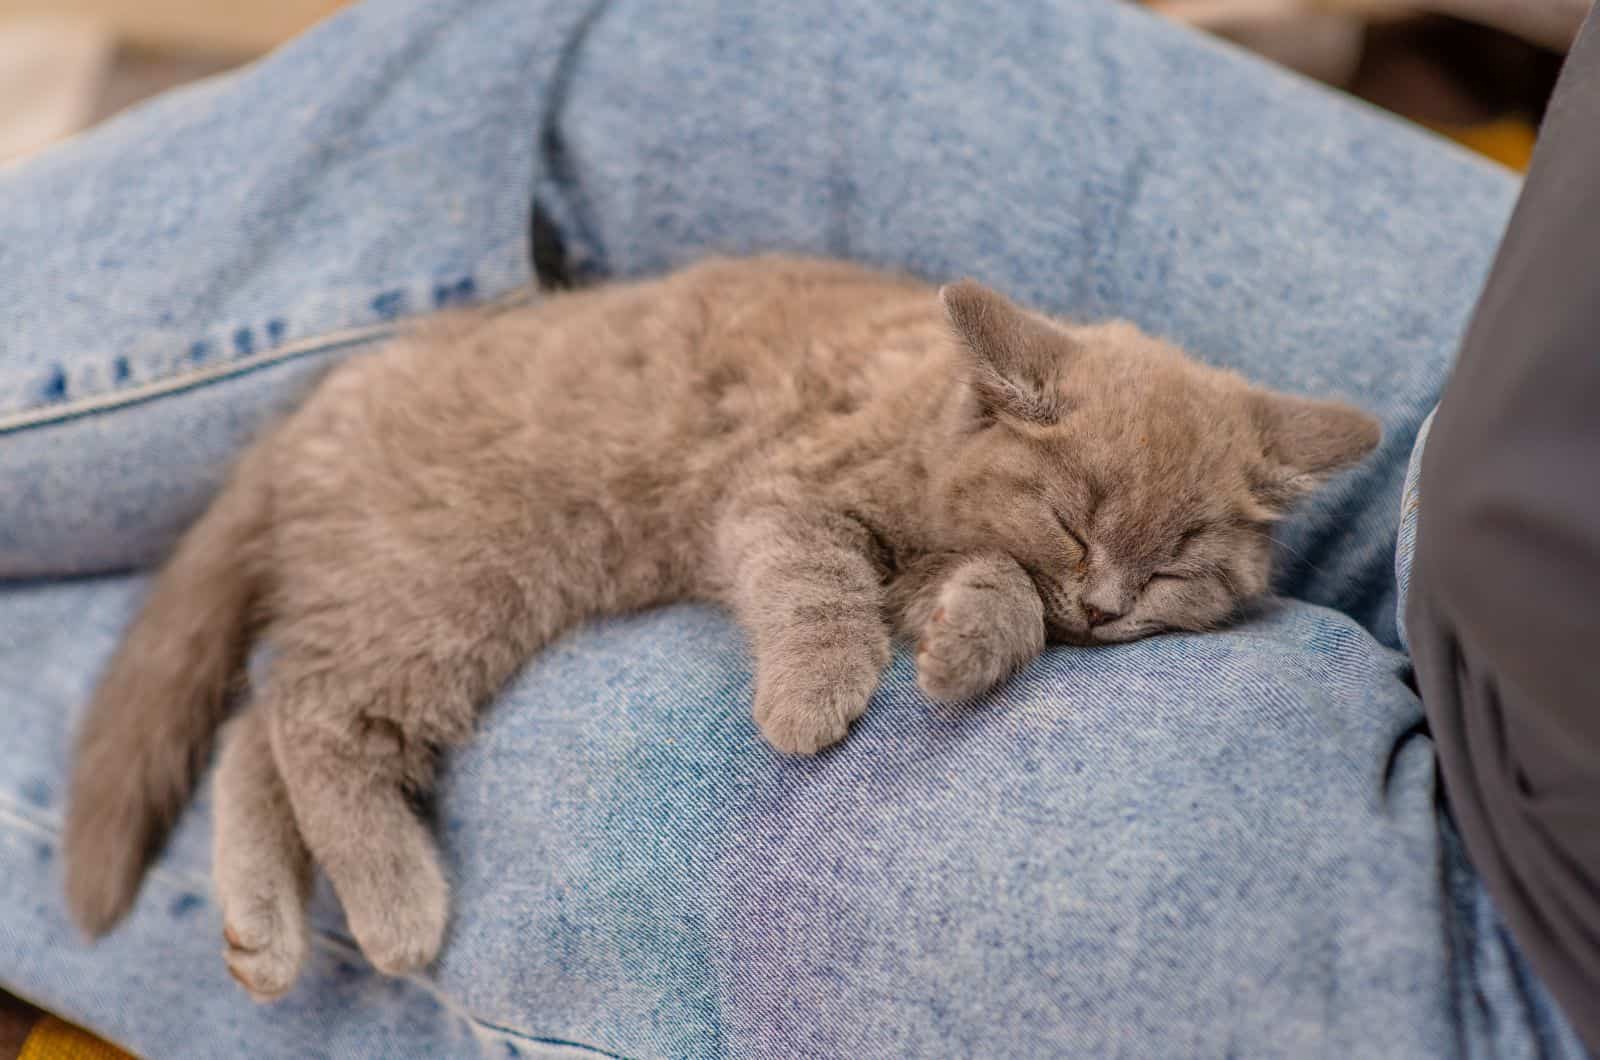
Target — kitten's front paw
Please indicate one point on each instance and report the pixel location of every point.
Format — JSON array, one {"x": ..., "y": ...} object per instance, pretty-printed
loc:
[
  {"x": 801, "y": 730},
  {"x": 977, "y": 637},
  {"x": 809, "y": 704}
]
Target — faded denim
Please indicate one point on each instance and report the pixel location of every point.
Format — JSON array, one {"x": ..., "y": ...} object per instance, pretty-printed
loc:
[{"x": 1230, "y": 844}]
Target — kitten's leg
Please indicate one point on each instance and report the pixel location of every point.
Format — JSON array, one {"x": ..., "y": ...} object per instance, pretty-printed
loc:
[
  {"x": 977, "y": 619},
  {"x": 259, "y": 864},
  {"x": 380, "y": 664},
  {"x": 351, "y": 767},
  {"x": 811, "y": 600}
]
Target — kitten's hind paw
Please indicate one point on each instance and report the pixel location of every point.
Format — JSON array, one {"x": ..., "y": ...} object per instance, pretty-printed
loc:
[
  {"x": 264, "y": 953},
  {"x": 259, "y": 864},
  {"x": 398, "y": 904}
]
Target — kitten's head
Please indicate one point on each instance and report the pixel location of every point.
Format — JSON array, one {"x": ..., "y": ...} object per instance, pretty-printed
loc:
[{"x": 1135, "y": 485}]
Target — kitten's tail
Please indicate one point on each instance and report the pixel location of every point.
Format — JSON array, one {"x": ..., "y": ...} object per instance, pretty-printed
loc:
[{"x": 149, "y": 728}]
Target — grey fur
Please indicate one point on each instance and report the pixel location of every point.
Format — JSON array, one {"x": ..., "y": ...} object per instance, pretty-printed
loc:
[{"x": 820, "y": 447}]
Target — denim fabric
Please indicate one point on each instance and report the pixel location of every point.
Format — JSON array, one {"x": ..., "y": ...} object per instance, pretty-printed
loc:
[
  {"x": 219, "y": 244},
  {"x": 1219, "y": 845}
]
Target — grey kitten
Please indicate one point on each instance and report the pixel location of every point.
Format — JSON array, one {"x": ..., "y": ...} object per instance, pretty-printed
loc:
[{"x": 824, "y": 449}]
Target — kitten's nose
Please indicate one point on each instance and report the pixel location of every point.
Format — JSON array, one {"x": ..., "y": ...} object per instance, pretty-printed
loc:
[{"x": 1098, "y": 614}]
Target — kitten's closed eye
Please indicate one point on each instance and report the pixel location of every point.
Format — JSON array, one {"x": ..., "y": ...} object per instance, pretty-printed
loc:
[
  {"x": 1072, "y": 535},
  {"x": 1180, "y": 572}
]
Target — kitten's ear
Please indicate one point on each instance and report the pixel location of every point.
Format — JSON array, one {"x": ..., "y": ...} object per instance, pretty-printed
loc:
[
  {"x": 1015, "y": 359},
  {"x": 1306, "y": 440}
]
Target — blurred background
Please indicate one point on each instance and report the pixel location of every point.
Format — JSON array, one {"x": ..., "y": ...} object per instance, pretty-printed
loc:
[
  {"x": 1478, "y": 71},
  {"x": 67, "y": 64}
]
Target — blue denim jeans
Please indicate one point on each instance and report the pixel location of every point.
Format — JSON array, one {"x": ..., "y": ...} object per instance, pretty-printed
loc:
[{"x": 1229, "y": 844}]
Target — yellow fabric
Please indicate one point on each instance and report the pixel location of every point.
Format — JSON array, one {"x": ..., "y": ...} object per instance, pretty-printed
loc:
[
  {"x": 52, "y": 1039},
  {"x": 1508, "y": 141}
]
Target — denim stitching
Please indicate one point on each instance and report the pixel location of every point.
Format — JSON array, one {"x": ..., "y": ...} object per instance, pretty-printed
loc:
[
  {"x": 134, "y": 395},
  {"x": 387, "y": 304}
]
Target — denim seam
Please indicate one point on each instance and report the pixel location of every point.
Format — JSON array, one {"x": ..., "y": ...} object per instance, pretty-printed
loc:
[
  {"x": 15, "y": 817},
  {"x": 44, "y": 415}
]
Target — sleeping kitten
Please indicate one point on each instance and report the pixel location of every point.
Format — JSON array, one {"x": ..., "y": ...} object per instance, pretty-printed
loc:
[{"x": 825, "y": 449}]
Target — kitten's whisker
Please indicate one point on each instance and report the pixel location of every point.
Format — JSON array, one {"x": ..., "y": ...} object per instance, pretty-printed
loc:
[{"x": 1298, "y": 554}]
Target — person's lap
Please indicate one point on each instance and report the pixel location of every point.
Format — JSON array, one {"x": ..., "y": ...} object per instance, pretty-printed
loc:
[{"x": 1176, "y": 846}]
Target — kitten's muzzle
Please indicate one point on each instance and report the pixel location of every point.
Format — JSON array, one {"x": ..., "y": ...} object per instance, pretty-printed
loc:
[{"x": 1097, "y": 615}]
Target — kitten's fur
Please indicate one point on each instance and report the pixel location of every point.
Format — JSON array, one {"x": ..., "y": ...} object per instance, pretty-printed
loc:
[{"x": 825, "y": 449}]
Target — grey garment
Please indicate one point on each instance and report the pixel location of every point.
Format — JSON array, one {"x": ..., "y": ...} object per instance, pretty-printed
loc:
[{"x": 1504, "y": 613}]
